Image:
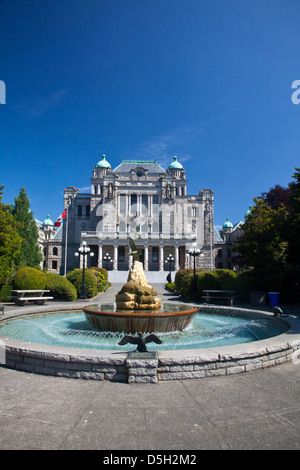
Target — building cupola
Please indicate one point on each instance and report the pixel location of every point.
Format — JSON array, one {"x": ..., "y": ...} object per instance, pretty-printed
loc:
[
  {"x": 175, "y": 165},
  {"x": 103, "y": 163}
]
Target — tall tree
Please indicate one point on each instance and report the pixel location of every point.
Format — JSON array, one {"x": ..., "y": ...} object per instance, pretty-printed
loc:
[
  {"x": 294, "y": 221},
  {"x": 30, "y": 254},
  {"x": 263, "y": 245},
  {"x": 10, "y": 240}
]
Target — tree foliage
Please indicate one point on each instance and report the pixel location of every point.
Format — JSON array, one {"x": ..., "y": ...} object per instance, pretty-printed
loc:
[
  {"x": 10, "y": 240},
  {"x": 270, "y": 246},
  {"x": 30, "y": 254}
]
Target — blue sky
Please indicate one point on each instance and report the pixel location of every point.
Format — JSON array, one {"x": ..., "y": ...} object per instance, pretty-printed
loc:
[{"x": 208, "y": 81}]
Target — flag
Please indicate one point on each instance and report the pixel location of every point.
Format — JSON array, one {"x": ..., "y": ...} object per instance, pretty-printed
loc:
[{"x": 59, "y": 219}]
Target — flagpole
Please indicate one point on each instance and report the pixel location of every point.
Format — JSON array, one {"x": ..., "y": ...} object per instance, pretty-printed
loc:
[{"x": 66, "y": 241}]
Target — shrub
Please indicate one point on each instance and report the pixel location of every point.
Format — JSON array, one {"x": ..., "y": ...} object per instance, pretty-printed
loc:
[
  {"x": 170, "y": 286},
  {"x": 75, "y": 277},
  {"x": 101, "y": 280},
  {"x": 5, "y": 292},
  {"x": 29, "y": 278},
  {"x": 60, "y": 287},
  {"x": 179, "y": 276},
  {"x": 101, "y": 270},
  {"x": 205, "y": 280},
  {"x": 187, "y": 286},
  {"x": 226, "y": 278}
]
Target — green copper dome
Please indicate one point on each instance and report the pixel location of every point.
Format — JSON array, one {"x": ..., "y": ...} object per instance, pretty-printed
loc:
[
  {"x": 175, "y": 165},
  {"x": 103, "y": 163},
  {"x": 248, "y": 212},
  {"x": 227, "y": 224},
  {"x": 48, "y": 221}
]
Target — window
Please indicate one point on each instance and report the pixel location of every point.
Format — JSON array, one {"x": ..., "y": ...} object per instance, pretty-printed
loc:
[
  {"x": 155, "y": 204},
  {"x": 133, "y": 204},
  {"x": 121, "y": 253},
  {"x": 54, "y": 264},
  {"x": 87, "y": 211},
  {"x": 144, "y": 204},
  {"x": 155, "y": 254},
  {"x": 55, "y": 251},
  {"x": 122, "y": 204},
  {"x": 79, "y": 211}
]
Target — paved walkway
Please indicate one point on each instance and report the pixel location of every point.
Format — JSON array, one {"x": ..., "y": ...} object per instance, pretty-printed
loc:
[{"x": 254, "y": 410}]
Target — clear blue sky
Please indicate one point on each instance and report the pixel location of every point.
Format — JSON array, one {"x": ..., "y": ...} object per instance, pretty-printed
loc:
[{"x": 208, "y": 81}]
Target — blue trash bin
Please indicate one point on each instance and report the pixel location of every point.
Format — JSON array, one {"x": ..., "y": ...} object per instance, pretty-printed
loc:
[{"x": 273, "y": 298}]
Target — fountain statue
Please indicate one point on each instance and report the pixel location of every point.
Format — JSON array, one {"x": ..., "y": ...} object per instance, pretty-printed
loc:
[
  {"x": 137, "y": 294},
  {"x": 136, "y": 308}
]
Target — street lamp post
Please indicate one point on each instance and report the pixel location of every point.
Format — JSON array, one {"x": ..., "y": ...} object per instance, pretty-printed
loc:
[
  {"x": 194, "y": 252},
  {"x": 107, "y": 260},
  {"x": 83, "y": 250},
  {"x": 170, "y": 260}
]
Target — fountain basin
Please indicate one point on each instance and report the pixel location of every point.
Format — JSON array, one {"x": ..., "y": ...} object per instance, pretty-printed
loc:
[
  {"x": 170, "y": 317},
  {"x": 30, "y": 355}
]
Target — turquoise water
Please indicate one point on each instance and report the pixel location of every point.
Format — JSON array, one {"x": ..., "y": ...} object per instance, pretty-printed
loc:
[{"x": 71, "y": 329}]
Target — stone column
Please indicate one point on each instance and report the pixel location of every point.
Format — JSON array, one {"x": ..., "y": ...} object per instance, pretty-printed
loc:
[
  {"x": 99, "y": 255},
  {"x": 176, "y": 264},
  {"x": 115, "y": 264},
  {"x": 161, "y": 257},
  {"x": 146, "y": 257}
]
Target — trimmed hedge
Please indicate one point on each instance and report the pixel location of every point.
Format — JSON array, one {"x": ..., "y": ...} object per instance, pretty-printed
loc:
[
  {"x": 75, "y": 277},
  {"x": 29, "y": 278},
  {"x": 224, "y": 279},
  {"x": 60, "y": 287}
]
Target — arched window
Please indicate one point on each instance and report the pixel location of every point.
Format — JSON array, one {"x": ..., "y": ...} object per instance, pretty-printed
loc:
[{"x": 55, "y": 251}]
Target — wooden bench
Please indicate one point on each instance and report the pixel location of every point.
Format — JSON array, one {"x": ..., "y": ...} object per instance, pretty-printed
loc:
[
  {"x": 229, "y": 295},
  {"x": 21, "y": 297}
]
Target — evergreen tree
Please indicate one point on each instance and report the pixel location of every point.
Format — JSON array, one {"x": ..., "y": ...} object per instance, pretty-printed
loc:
[
  {"x": 10, "y": 240},
  {"x": 294, "y": 221},
  {"x": 30, "y": 254}
]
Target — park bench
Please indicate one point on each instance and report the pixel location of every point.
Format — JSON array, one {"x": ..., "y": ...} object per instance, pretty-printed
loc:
[
  {"x": 21, "y": 297},
  {"x": 219, "y": 295}
]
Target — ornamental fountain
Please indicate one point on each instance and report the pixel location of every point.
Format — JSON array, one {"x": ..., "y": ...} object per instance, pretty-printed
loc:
[{"x": 137, "y": 309}]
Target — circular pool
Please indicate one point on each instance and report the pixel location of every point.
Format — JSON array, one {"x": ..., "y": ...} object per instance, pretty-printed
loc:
[
  {"x": 71, "y": 329},
  {"x": 219, "y": 341}
]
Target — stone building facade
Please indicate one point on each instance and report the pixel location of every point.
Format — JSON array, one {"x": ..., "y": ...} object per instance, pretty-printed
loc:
[
  {"x": 139, "y": 199},
  {"x": 50, "y": 243}
]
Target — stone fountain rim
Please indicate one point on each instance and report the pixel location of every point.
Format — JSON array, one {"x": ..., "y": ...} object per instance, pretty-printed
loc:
[
  {"x": 172, "y": 365},
  {"x": 140, "y": 313}
]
